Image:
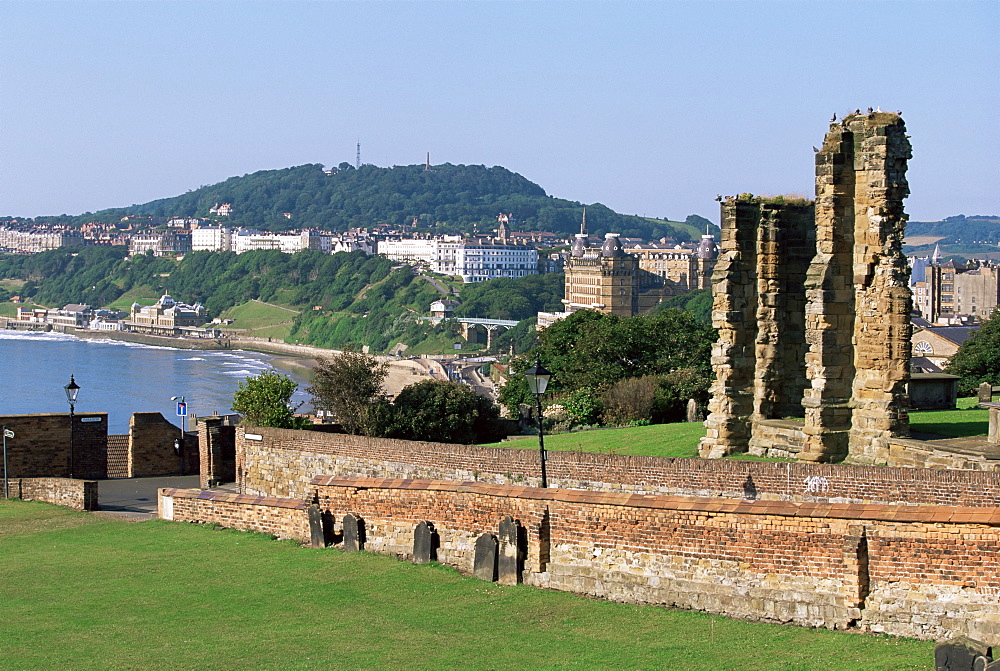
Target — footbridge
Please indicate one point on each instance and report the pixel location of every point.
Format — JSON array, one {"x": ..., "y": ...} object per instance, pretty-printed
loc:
[{"x": 476, "y": 330}]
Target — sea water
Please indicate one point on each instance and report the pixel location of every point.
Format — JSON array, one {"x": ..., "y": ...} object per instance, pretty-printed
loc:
[{"x": 120, "y": 377}]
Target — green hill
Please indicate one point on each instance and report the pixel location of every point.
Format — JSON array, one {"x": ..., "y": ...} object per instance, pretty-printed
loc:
[{"x": 446, "y": 199}]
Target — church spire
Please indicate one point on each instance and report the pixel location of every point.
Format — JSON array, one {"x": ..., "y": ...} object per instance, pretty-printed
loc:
[{"x": 936, "y": 258}]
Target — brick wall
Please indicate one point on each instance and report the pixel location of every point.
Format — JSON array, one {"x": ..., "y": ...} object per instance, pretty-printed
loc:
[
  {"x": 282, "y": 463},
  {"x": 75, "y": 494},
  {"x": 284, "y": 518},
  {"x": 41, "y": 445},
  {"x": 923, "y": 571},
  {"x": 152, "y": 445}
]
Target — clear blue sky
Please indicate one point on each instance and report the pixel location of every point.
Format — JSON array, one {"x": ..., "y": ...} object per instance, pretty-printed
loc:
[{"x": 648, "y": 107}]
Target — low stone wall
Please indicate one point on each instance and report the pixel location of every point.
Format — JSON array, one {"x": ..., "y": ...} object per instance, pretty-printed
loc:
[
  {"x": 920, "y": 571},
  {"x": 923, "y": 571},
  {"x": 281, "y": 517},
  {"x": 75, "y": 494},
  {"x": 282, "y": 462}
]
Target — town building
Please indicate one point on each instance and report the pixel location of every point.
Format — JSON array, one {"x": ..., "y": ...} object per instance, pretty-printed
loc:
[
  {"x": 30, "y": 239},
  {"x": 170, "y": 243},
  {"x": 954, "y": 293},
  {"x": 613, "y": 281},
  {"x": 473, "y": 261},
  {"x": 167, "y": 317}
]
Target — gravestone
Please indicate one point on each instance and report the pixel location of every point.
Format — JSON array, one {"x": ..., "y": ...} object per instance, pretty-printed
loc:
[
  {"x": 425, "y": 543},
  {"x": 510, "y": 562},
  {"x": 484, "y": 566},
  {"x": 985, "y": 392},
  {"x": 316, "y": 536},
  {"x": 354, "y": 533},
  {"x": 692, "y": 410},
  {"x": 961, "y": 654}
]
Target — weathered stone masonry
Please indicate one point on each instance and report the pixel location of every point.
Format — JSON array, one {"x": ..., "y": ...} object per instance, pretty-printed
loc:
[{"x": 830, "y": 277}]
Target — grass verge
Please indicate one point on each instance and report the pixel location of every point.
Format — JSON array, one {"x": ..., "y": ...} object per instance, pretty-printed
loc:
[{"x": 92, "y": 593}]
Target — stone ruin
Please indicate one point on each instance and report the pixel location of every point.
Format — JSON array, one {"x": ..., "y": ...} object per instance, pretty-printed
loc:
[{"x": 812, "y": 304}]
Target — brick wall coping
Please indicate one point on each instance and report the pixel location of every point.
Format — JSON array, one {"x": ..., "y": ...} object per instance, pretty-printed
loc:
[
  {"x": 849, "y": 511},
  {"x": 243, "y": 499}
]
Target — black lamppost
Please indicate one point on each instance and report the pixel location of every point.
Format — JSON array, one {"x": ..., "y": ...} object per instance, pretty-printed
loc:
[
  {"x": 538, "y": 379},
  {"x": 72, "y": 390}
]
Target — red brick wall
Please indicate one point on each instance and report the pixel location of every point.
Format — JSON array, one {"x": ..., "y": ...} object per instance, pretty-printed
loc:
[
  {"x": 284, "y": 518},
  {"x": 40, "y": 447},
  {"x": 152, "y": 445},
  {"x": 924, "y": 571},
  {"x": 283, "y": 462}
]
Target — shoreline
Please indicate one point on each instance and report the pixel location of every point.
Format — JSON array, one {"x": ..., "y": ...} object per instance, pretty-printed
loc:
[{"x": 297, "y": 360}]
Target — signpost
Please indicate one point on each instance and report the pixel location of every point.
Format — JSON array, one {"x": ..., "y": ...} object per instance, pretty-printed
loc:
[{"x": 7, "y": 433}]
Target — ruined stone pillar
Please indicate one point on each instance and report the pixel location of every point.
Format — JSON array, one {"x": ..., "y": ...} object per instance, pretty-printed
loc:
[
  {"x": 734, "y": 314},
  {"x": 785, "y": 246},
  {"x": 857, "y": 317},
  {"x": 759, "y": 302}
]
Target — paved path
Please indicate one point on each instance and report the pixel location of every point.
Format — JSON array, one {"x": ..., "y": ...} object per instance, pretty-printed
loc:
[{"x": 138, "y": 495}]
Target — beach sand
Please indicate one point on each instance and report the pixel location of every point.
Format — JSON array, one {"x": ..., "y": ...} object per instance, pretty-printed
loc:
[{"x": 402, "y": 372}]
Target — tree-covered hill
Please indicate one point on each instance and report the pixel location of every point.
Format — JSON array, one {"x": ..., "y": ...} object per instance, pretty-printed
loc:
[
  {"x": 446, "y": 199},
  {"x": 959, "y": 229},
  {"x": 344, "y": 300}
]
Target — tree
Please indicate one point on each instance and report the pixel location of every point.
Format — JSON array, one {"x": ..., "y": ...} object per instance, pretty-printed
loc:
[
  {"x": 444, "y": 412},
  {"x": 350, "y": 385},
  {"x": 978, "y": 358},
  {"x": 265, "y": 400}
]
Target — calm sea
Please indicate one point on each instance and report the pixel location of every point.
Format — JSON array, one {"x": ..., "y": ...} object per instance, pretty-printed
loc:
[{"x": 119, "y": 378}]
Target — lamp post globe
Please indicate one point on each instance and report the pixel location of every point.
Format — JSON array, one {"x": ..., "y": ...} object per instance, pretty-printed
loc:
[
  {"x": 538, "y": 381},
  {"x": 72, "y": 391}
]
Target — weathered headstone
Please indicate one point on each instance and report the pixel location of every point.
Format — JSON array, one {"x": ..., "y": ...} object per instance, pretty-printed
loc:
[
  {"x": 985, "y": 392},
  {"x": 692, "y": 410},
  {"x": 354, "y": 533},
  {"x": 316, "y": 537},
  {"x": 425, "y": 543},
  {"x": 510, "y": 562},
  {"x": 961, "y": 654},
  {"x": 484, "y": 565}
]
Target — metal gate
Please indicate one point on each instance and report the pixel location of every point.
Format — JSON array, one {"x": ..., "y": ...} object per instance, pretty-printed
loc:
[{"x": 118, "y": 455}]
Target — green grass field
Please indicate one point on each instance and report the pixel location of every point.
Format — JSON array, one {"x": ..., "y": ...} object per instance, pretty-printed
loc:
[
  {"x": 261, "y": 320},
  {"x": 681, "y": 440},
  {"x": 83, "y": 592},
  {"x": 144, "y": 295},
  {"x": 657, "y": 440},
  {"x": 968, "y": 421}
]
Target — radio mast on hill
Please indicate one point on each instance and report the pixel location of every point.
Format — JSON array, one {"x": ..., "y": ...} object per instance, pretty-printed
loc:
[{"x": 357, "y": 161}]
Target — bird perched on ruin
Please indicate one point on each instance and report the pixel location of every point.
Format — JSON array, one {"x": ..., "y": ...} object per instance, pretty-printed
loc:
[
  {"x": 870, "y": 110},
  {"x": 857, "y": 111},
  {"x": 719, "y": 197},
  {"x": 833, "y": 118},
  {"x": 815, "y": 150}
]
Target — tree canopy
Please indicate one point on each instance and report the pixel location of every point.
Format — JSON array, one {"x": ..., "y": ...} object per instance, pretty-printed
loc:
[
  {"x": 350, "y": 385},
  {"x": 265, "y": 400},
  {"x": 444, "y": 412},
  {"x": 978, "y": 358}
]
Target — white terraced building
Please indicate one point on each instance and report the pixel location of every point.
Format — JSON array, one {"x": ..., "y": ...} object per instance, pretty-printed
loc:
[{"x": 473, "y": 262}]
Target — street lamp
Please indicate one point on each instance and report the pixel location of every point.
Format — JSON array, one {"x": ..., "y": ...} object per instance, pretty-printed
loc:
[
  {"x": 538, "y": 379},
  {"x": 72, "y": 391}
]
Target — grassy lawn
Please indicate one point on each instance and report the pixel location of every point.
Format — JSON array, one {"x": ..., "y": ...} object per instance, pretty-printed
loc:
[
  {"x": 82, "y": 592},
  {"x": 681, "y": 440},
  {"x": 262, "y": 320},
  {"x": 657, "y": 440},
  {"x": 144, "y": 295},
  {"x": 969, "y": 420}
]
